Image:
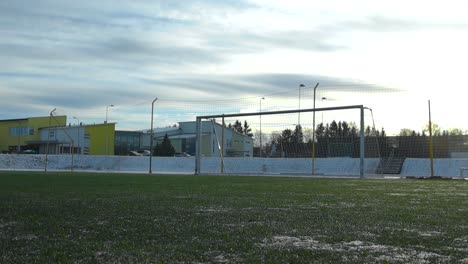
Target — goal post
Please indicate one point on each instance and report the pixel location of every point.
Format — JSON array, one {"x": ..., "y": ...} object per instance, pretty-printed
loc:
[{"x": 205, "y": 138}]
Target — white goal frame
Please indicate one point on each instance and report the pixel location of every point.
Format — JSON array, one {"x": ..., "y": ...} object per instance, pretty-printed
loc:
[{"x": 222, "y": 116}]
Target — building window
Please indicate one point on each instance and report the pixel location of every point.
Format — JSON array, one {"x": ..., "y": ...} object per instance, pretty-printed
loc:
[{"x": 21, "y": 131}]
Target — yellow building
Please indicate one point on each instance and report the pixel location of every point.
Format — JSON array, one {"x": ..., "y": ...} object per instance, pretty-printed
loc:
[
  {"x": 51, "y": 135},
  {"x": 95, "y": 139},
  {"x": 15, "y": 134}
]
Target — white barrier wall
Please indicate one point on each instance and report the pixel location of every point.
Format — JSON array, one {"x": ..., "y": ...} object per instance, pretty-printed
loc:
[
  {"x": 279, "y": 166},
  {"x": 329, "y": 166},
  {"x": 442, "y": 167}
]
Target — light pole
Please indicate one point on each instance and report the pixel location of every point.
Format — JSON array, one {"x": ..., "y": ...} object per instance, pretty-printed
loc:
[
  {"x": 107, "y": 110},
  {"x": 48, "y": 140},
  {"x": 263, "y": 98},
  {"x": 107, "y": 129},
  {"x": 152, "y": 134},
  {"x": 78, "y": 134},
  {"x": 313, "y": 134},
  {"x": 431, "y": 142},
  {"x": 19, "y": 131},
  {"x": 299, "y": 105},
  {"x": 323, "y": 98}
]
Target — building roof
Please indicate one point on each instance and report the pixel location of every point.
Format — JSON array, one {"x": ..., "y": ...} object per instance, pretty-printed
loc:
[
  {"x": 159, "y": 130},
  {"x": 83, "y": 125},
  {"x": 13, "y": 120},
  {"x": 26, "y": 118},
  {"x": 182, "y": 136}
]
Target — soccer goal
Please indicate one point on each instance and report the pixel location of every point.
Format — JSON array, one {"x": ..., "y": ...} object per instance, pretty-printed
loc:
[{"x": 289, "y": 142}]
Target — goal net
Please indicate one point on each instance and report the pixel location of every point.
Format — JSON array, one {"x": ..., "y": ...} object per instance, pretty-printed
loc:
[{"x": 320, "y": 141}]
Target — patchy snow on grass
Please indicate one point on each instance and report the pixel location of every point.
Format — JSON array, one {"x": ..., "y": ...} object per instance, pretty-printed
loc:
[
  {"x": 280, "y": 208},
  {"x": 401, "y": 194},
  {"x": 420, "y": 233},
  {"x": 25, "y": 237},
  {"x": 213, "y": 210},
  {"x": 184, "y": 196},
  {"x": 346, "y": 204},
  {"x": 365, "y": 234},
  {"x": 284, "y": 242},
  {"x": 7, "y": 224},
  {"x": 222, "y": 257},
  {"x": 430, "y": 233},
  {"x": 355, "y": 249},
  {"x": 461, "y": 241}
]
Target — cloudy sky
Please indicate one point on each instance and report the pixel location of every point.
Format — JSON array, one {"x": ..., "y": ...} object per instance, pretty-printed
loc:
[{"x": 209, "y": 56}]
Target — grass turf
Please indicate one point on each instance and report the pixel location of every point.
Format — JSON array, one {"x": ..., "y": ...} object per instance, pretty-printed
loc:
[{"x": 108, "y": 218}]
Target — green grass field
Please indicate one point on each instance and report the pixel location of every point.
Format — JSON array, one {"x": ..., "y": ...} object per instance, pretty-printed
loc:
[{"x": 109, "y": 218}]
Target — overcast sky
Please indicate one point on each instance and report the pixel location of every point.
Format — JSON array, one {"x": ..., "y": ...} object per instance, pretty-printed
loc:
[{"x": 80, "y": 56}]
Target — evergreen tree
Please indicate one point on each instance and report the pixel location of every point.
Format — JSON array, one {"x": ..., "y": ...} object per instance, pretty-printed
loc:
[
  {"x": 165, "y": 149},
  {"x": 237, "y": 127},
  {"x": 241, "y": 129},
  {"x": 333, "y": 129},
  {"x": 247, "y": 130},
  {"x": 320, "y": 130},
  {"x": 285, "y": 137},
  {"x": 297, "y": 136}
]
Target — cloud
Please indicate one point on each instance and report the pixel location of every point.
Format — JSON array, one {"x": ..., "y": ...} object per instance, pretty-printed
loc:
[
  {"x": 232, "y": 86},
  {"x": 83, "y": 55},
  {"x": 384, "y": 24}
]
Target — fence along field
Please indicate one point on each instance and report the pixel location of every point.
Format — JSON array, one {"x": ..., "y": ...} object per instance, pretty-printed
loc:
[{"x": 64, "y": 217}]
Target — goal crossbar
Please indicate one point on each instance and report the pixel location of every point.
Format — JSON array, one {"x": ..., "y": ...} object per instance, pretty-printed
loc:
[
  {"x": 284, "y": 111},
  {"x": 200, "y": 118}
]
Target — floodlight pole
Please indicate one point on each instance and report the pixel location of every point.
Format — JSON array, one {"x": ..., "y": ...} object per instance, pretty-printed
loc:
[
  {"x": 299, "y": 106},
  {"x": 323, "y": 98},
  {"x": 48, "y": 139},
  {"x": 152, "y": 135},
  {"x": 313, "y": 134},
  {"x": 198, "y": 145},
  {"x": 260, "y": 154},
  {"x": 431, "y": 142},
  {"x": 78, "y": 133},
  {"x": 107, "y": 110},
  {"x": 107, "y": 129}
]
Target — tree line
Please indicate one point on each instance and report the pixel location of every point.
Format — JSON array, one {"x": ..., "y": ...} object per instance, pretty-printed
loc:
[{"x": 342, "y": 139}]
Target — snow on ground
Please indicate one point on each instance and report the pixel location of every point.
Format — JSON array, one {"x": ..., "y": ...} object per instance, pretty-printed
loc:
[{"x": 353, "y": 250}]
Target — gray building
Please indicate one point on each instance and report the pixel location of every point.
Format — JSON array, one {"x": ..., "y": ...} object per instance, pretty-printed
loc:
[{"x": 183, "y": 138}]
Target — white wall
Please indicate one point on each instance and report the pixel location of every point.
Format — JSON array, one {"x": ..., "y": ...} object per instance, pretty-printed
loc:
[
  {"x": 442, "y": 167},
  {"x": 277, "y": 166}
]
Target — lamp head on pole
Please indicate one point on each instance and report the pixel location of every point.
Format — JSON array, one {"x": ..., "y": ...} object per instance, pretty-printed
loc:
[{"x": 77, "y": 119}]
